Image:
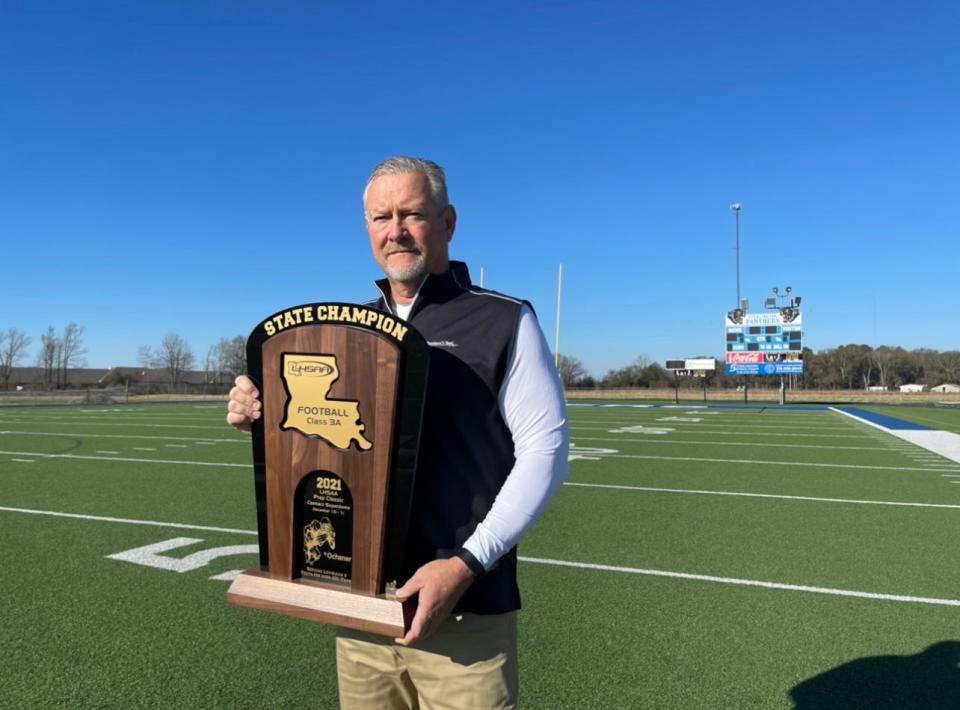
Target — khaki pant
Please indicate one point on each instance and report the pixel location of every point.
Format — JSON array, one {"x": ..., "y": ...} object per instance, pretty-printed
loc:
[{"x": 469, "y": 662}]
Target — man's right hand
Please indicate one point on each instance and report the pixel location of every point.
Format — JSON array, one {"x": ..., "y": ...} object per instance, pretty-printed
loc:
[{"x": 244, "y": 405}]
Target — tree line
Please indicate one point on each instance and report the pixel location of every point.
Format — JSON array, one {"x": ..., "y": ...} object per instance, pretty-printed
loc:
[
  {"x": 847, "y": 367},
  {"x": 58, "y": 353},
  {"x": 63, "y": 351},
  {"x": 222, "y": 363}
]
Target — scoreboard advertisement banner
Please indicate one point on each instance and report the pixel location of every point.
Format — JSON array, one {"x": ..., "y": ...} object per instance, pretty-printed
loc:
[
  {"x": 764, "y": 343},
  {"x": 763, "y": 364}
]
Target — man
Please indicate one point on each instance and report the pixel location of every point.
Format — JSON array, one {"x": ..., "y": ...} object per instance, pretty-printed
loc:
[{"x": 493, "y": 453}]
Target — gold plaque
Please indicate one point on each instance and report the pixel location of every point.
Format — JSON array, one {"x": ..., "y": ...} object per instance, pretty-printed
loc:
[{"x": 308, "y": 379}]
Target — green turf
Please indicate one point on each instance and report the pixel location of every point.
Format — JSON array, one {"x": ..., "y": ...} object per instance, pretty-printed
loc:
[{"x": 81, "y": 630}]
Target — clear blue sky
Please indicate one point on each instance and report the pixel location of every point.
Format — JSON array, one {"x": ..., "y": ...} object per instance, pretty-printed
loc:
[{"x": 191, "y": 167}]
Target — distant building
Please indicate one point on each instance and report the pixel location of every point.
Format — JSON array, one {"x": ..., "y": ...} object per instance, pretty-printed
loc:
[
  {"x": 137, "y": 379},
  {"x": 913, "y": 388},
  {"x": 877, "y": 388},
  {"x": 945, "y": 388}
]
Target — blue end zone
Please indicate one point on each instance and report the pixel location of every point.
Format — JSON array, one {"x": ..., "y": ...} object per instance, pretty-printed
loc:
[{"x": 883, "y": 420}]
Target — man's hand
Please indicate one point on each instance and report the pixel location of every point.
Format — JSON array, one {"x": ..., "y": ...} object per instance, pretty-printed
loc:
[
  {"x": 244, "y": 405},
  {"x": 440, "y": 585}
]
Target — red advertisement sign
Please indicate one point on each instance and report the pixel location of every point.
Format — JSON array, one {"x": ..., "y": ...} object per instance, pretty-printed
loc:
[{"x": 744, "y": 358}]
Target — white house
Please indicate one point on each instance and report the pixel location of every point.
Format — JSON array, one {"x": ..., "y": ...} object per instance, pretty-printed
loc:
[
  {"x": 913, "y": 388},
  {"x": 945, "y": 388}
]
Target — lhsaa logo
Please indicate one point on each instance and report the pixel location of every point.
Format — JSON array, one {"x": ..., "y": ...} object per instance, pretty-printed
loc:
[{"x": 309, "y": 368}]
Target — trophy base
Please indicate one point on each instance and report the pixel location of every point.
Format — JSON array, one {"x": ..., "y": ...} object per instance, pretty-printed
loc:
[{"x": 255, "y": 589}]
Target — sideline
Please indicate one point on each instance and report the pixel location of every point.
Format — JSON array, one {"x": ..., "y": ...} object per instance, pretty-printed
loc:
[{"x": 944, "y": 443}]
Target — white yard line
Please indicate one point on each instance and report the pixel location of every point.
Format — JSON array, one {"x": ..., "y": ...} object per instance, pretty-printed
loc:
[
  {"x": 196, "y": 439},
  {"x": 729, "y": 432},
  {"x": 118, "y": 458},
  {"x": 125, "y": 418},
  {"x": 128, "y": 521},
  {"x": 23, "y": 460},
  {"x": 558, "y": 563},
  {"x": 739, "y": 494},
  {"x": 683, "y": 442},
  {"x": 621, "y": 456},
  {"x": 87, "y": 422},
  {"x": 767, "y": 463},
  {"x": 746, "y": 582},
  {"x": 699, "y": 426}
]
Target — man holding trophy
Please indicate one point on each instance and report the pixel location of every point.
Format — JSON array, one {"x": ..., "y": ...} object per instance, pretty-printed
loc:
[{"x": 493, "y": 452}]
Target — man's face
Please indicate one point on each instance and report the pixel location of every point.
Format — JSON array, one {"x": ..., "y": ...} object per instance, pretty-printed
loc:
[{"x": 408, "y": 234}]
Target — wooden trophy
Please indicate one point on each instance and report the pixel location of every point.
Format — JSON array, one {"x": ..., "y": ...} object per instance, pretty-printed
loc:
[{"x": 334, "y": 456}]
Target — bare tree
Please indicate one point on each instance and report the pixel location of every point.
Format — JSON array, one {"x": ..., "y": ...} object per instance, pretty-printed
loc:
[
  {"x": 211, "y": 369},
  {"x": 175, "y": 357},
  {"x": 572, "y": 372},
  {"x": 146, "y": 357},
  {"x": 232, "y": 356},
  {"x": 13, "y": 345},
  {"x": 950, "y": 366},
  {"x": 71, "y": 350},
  {"x": 49, "y": 356}
]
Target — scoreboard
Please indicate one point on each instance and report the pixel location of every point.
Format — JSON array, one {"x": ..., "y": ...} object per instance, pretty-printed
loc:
[{"x": 768, "y": 343}]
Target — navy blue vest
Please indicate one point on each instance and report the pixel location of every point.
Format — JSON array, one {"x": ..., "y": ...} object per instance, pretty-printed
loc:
[{"x": 466, "y": 450}]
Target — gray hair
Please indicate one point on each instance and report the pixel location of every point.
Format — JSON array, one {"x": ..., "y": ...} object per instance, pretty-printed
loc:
[{"x": 403, "y": 164}]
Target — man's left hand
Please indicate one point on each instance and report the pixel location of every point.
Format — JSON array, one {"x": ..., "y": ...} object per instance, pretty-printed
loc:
[{"x": 440, "y": 585}]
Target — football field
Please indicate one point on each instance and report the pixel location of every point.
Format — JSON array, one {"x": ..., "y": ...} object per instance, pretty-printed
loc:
[{"x": 721, "y": 557}]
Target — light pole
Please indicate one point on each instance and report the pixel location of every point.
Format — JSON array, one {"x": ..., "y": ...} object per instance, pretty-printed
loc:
[
  {"x": 735, "y": 208},
  {"x": 556, "y": 346}
]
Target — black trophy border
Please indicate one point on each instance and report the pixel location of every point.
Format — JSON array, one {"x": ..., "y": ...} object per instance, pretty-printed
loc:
[{"x": 413, "y": 363}]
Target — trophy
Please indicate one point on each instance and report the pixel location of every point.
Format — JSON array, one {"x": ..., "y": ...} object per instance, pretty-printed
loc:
[{"x": 334, "y": 456}]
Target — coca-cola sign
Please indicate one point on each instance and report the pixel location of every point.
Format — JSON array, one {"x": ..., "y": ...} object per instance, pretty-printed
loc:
[{"x": 744, "y": 358}]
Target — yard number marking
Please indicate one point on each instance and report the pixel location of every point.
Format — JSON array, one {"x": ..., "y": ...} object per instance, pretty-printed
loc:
[{"x": 149, "y": 556}]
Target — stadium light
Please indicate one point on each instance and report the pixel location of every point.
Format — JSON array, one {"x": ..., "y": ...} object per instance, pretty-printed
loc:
[{"x": 736, "y": 207}]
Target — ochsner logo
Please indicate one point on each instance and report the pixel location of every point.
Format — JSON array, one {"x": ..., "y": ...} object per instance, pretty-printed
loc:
[{"x": 309, "y": 369}]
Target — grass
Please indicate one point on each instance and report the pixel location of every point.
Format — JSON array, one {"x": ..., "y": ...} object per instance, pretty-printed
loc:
[{"x": 80, "y": 629}]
